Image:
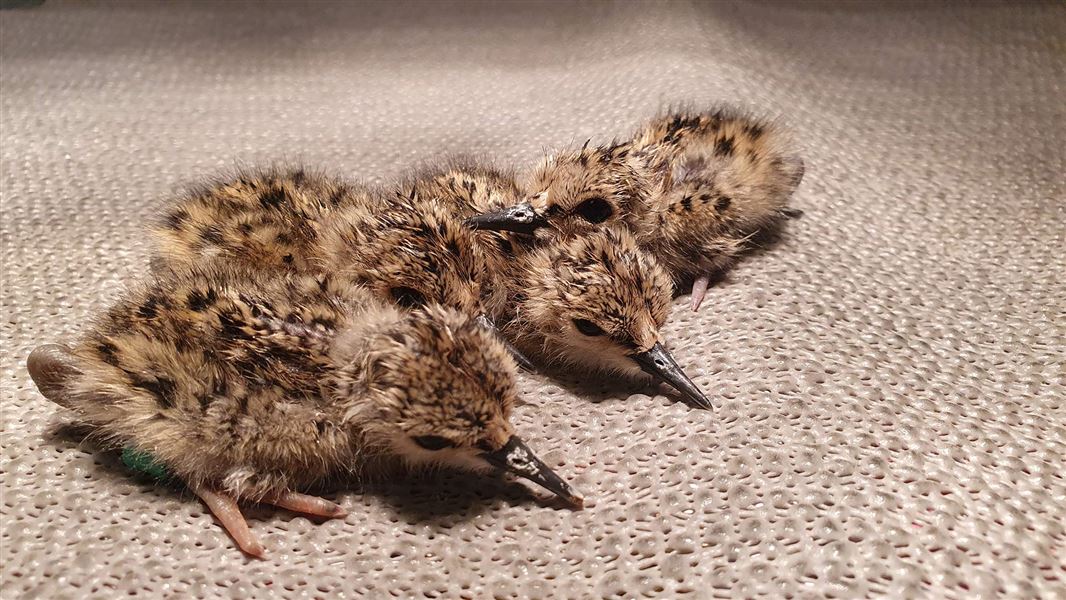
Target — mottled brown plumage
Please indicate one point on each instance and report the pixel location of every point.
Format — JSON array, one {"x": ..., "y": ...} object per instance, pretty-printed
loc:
[
  {"x": 409, "y": 249},
  {"x": 251, "y": 387},
  {"x": 597, "y": 302},
  {"x": 407, "y": 245},
  {"x": 268, "y": 219},
  {"x": 720, "y": 177},
  {"x": 693, "y": 188},
  {"x": 468, "y": 187}
]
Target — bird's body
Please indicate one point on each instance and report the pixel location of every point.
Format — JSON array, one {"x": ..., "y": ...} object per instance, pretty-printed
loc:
[
  {"x": 269, "y": 219},
  {"x": 408, "y": 246},
  {"x": 719, "y": 178},
  {"x": 218, "y": 373},
  {"x": 466, "y": 188},
  {"x": 252, "y": 387}
]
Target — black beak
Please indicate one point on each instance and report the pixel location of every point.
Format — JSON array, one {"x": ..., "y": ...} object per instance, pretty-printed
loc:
[
  {"x": 515, "y": 457},
  {"x": 520, "y": 218},
  {"x": 658, "y": 363},
  {"x": 519, "y": 358}
]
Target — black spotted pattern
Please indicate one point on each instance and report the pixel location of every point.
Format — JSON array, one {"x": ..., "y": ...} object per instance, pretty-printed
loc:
[
  {"x": 199, "y": 301},
  {"x": 724, "y": 146},
  {"x": 273, "y": 198},
  {"x": 160, "y": 387}
]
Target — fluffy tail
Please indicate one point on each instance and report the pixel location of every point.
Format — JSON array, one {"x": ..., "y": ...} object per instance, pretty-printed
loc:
[{"x": 51, "y": 367}]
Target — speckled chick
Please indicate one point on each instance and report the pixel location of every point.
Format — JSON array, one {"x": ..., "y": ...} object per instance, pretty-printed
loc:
[
  {"x": 251, "y": 388},
  {"x": 598, "y": 302},
  {"x": 693, "y": 187},
  {"x": 408, "y": 248}
]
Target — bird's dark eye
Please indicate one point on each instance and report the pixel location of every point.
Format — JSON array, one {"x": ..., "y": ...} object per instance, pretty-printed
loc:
[
  {"x": 407, "y": 298},
  {"x": 588, "y": 327},
  {"x": 595, "y": 210},
  {"x": 433, "y": 442}
]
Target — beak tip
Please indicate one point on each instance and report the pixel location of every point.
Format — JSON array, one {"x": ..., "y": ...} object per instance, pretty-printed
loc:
[
  {"x": 515, "y": 457},
  {"x": 699, "y": 401},
  {"x": 658, "y": 363}
]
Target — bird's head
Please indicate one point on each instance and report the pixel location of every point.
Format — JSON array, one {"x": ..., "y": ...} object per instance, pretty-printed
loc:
[
  {"x": 442, "y": 389},
  {"x": 599, "y": 301},
  {"x": 575, "y": 192}
]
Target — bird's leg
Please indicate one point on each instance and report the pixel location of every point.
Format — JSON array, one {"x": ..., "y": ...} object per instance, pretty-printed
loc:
[
  {"x": 227, "y": 512},
  {"x": 718, "y": 253},
  {"x": 308, "y": 505},
  {"x": 699, "y": 290}
]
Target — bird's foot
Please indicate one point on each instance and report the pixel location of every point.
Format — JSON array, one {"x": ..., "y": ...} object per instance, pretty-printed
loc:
[
  {"x": 225, "y": 509},
  {"x": 308, "y": 505},
  {"x": 699, "y": 290}
]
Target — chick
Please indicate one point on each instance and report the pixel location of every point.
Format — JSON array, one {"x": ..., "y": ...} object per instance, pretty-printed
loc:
[
  {"x": 251, "y": 388},
  {"x": 597, "y": 301},
  {"x": 693, "y": 187},
  {"x": 408, "y": 248}
]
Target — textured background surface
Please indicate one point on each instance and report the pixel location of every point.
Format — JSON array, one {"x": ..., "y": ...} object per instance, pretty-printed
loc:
[{"x": 889, "y": 378}]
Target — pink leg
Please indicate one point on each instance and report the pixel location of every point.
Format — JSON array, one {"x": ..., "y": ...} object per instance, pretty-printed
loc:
[
  {"x": 699, "y": 290},
  {"x": 229, "y": 514},
  {"x": 309, "y": 505}
]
